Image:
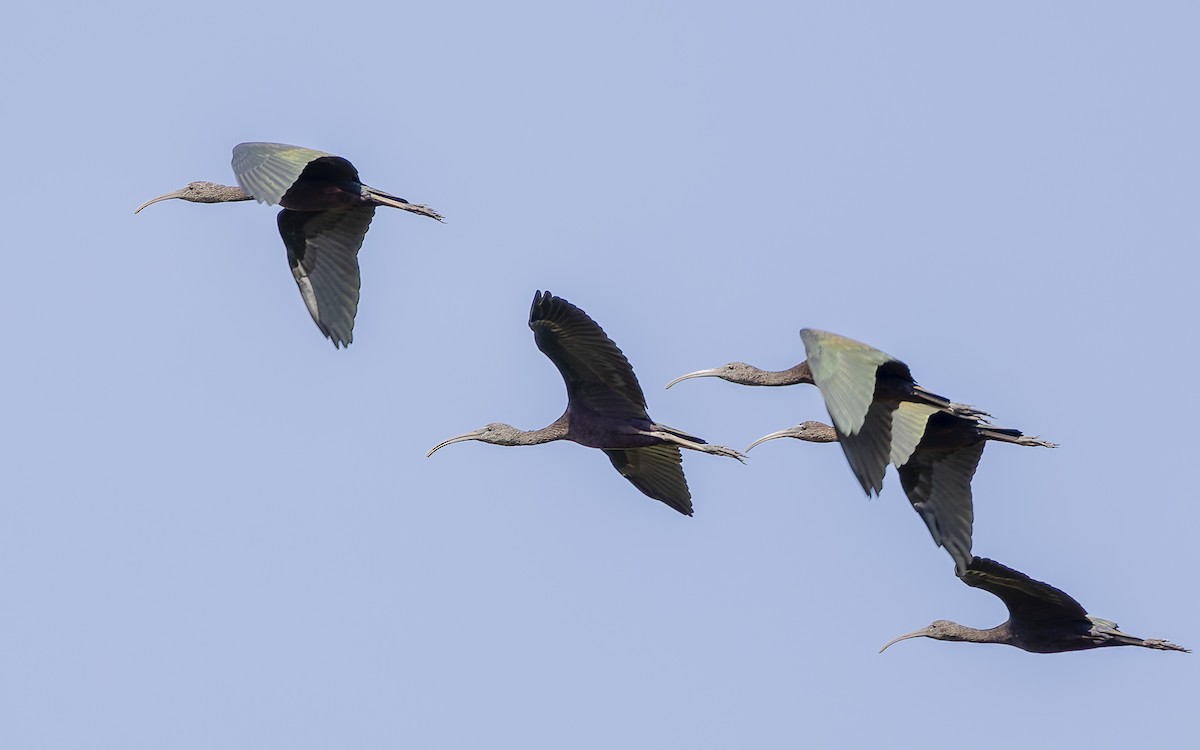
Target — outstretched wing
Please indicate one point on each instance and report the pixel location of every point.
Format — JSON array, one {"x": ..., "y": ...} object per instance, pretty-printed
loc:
[
  {"x": 598, "y": 376},
  {"x": 1028, "y": 601},
  {"x": 657, "y": 471},
  {"x": 322, "y": 250},
  {"x": 844, "y": 370},
  {"x": 268, "y": 170},
  {"x": 938, "y": 484}
]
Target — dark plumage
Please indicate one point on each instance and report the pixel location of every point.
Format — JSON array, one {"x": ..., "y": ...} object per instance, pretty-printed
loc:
[
  {"x": 606, "y": 408},
  {"x": 1041, "y": 619},
  {"x": 881, "y": 416},
  {"x": 326, "y": 214},
  {"x": 937, "y": 474}
]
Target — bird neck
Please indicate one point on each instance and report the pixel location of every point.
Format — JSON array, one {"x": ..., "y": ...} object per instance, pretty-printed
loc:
[
  {"x": 998, "y": 634},
  {"x": 819, "y": 432},
  {"x": 791, "y": 376},
  {"x": 556, "y": 430},
  {"x": 226, "y": 194},
  {"x": 237, "y": 194}
]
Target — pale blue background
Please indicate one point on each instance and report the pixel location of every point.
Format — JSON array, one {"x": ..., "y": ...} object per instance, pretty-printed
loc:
[{"x": 218, "y": 532}]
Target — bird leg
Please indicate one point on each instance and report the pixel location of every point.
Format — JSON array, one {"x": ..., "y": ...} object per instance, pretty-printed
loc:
[{"x": 716, "y": 450}]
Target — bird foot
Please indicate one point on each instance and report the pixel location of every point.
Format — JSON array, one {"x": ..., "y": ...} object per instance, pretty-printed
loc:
[
  {"x": 674, "y": 437},
  {"x": 1164, "y": 645},
  {"x": 424, "y": 210},
  {"x": 1035, "y": 441},
  {"x": 721, "y": 450},
  {"x": 966, "y": 410}
]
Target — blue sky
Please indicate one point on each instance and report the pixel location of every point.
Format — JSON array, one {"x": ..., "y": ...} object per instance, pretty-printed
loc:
[{"x": 218, "y": 531}]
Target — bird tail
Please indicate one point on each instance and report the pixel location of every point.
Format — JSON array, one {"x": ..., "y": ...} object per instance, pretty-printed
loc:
[
  {"x": 395, "y": 201},
  {"x": 681, "y": 434}
]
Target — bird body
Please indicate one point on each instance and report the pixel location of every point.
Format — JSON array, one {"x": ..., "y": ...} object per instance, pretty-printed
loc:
[
  {"x": 606, "y": 408},
  {"x": 325, "y": 217},
  {"x": 1042, "y": 619},
  {"x": 935, "y": 473},
  {"x": 877, "y": 408},
  {"x": 880, "y": 416}
]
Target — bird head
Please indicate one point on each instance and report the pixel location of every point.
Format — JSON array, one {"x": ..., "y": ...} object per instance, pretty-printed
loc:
[
  {"x": 942, "y": 630},
  {"x": 734, "y": 372},
  {"x": 201, "y": 192},
  {"x": 810, "y": 431},
  {"x": 496, "y": 433}
]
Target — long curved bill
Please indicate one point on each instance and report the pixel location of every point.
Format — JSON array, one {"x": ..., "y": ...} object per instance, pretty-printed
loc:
[
  {"x": 473, "y": 435},
  {"x": 711, "y": 373},
  {"x": 915, "y": 634},
  {"x": 789, "y": 432},
  {"x": 168, "y": 196}
]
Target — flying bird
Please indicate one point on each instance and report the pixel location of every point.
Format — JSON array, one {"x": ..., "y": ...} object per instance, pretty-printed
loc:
[
  {"x": 325, "y": 216},
  {"x": 878, "y": 410},
  {"x": 936, "y": 474},
  {"x": 1041, "y": 619},
  {"x": 605, "y": 407}
]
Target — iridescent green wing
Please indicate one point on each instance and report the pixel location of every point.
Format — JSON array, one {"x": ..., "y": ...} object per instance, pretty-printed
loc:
[
  {"x": 268, "y": 170},
  {"x": 844, "y": 370},
  {"x": 909, "y": 421}
]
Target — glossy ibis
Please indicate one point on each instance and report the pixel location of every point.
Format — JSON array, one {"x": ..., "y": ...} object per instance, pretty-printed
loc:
[
  {"x": 936, "y": 474},
  {"x": 605, "y": 407},
  {"x": 878, "y": 410},
  {"x": 1041, "y": 618},
  {"x": 325, "y": 216}
]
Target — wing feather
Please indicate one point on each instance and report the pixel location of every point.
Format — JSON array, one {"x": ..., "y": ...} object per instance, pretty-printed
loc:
[
  {"x": 844, "y": 370},
  {"x": 657, "y": 471},
  {"x": 909, "y": 421},
  {"x": 1027, "y": 600},
  {"x": 867, "y": 451},
  {"x": 597, "y": 374},
  {"x": 938, "y": 484},
  {"x": 322, "y": 249},
  {"x": 268, "y": 170}
]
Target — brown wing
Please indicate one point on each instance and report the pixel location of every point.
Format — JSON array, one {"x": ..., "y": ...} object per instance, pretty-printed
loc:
[
  {"x": 938, "y": 484},
  {"x": 322, "y": 248},
  {"x": 657, "y": 471},
  {"x": 1028, "y": 601},
  {"x": 598, "y": 376}
]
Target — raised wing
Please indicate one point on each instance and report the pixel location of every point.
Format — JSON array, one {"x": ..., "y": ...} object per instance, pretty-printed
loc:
[
  {"x": 1027, "y": 600},
  {"x": 268, "y": 170},
  {"x": 322, "y": 250},
  {"x": 938, "y": 484},
  {"x": 598, "y": 376},
  {"x": 657, "y": 471},
  {"x": 844, "y": 370}
]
